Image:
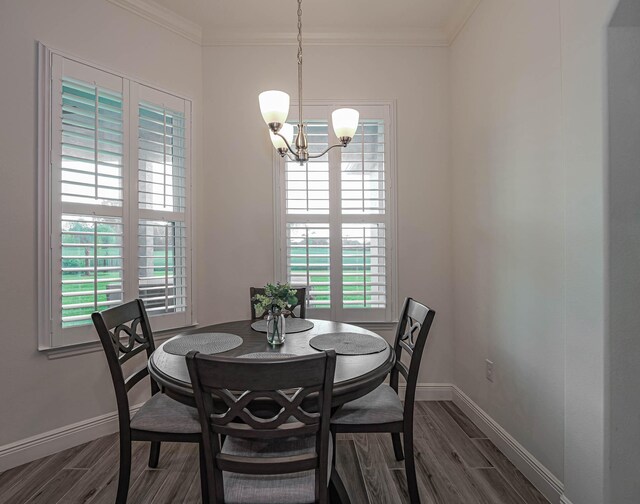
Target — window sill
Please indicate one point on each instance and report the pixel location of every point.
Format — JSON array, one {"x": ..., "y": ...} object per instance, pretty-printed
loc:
[{"x": 95, "y": 346}]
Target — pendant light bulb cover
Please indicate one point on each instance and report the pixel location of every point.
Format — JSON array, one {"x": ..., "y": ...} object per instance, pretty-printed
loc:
[
  {"x": 345, "y": 122},
  {"x": 287, "y": 132},
  {"x": 274, "y": 106}
]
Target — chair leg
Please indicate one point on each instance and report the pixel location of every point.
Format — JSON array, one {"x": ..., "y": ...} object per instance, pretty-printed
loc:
[
  {"x": 125, "y": 471},
  {"x": 410, "y": 467},
  {"x": 334, "y": 440},
  {"x": 337, "y": 492},
  {"x": 154, "y": 454},
  {"x": 204, "y": 482},
  {"x": 397, "y": 445}
]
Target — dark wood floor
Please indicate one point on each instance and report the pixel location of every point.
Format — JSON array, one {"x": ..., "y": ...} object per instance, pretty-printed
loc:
[{"x": 456, "y": 465}]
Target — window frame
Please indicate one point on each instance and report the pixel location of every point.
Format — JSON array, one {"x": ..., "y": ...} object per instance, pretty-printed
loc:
[
  {"x": 49, "y": 208},
  {"x": 321, "y": 110}
]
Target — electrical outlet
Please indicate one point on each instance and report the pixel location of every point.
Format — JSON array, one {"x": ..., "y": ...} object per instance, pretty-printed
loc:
[{"x": 489, "y": 370}]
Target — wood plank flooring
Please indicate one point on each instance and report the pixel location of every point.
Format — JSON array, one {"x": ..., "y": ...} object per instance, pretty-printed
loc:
[{"x": 456, "y": 464}]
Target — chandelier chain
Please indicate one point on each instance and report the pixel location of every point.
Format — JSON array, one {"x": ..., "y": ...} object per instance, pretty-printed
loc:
[
  {"x": 299, "y": 61},
  {"x": 300, "y": 31},
  {"x": 298, "y": 150}
]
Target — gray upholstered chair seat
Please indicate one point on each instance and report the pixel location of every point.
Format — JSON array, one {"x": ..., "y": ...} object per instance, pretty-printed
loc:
[
  {"x": 295, "y": 488},
  {"x": 163, "y": 414},
  {"x": 378, "y": 407}
]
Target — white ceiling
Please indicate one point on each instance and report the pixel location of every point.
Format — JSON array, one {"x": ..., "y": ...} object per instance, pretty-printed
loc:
[{"x": 253, "y": 21}]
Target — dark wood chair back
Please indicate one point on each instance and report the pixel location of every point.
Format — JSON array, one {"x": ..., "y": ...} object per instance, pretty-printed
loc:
[
  {"x": 125, "y": 332},
  {"x": 264, "y": 400},
  {"x": 301, "y": 294},
  {"x": 411, "y": 337}
]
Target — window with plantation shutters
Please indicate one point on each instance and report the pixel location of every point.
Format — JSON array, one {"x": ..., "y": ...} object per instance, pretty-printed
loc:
[
  {"x": 335, "y": 219},
  {"x": 115, "y": 216},
  {"x": 162, "y": 204}
]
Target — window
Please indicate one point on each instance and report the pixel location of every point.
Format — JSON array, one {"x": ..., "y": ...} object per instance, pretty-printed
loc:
[
  {"x": 335, "y": 219},
  {"x": 115, "y": 196}
]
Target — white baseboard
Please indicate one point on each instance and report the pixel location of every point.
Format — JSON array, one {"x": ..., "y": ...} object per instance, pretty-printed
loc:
[
  {"x": 430, "y": 391},
  {"x": 550, "y": 486},
  {"x": 38, "y": 446}
]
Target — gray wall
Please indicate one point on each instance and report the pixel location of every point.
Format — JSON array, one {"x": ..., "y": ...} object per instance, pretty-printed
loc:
[
  {"x": 508, "y": 211},
  {"x": 529, "y": 228},
  {"x": 624, "y": 254}
]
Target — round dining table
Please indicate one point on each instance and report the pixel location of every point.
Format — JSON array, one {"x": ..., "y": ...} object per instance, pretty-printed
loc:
[{"x": 355, "y": 375}]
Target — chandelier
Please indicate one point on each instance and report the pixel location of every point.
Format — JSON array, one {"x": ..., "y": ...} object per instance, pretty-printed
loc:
[{"x": 274, "y": 106}]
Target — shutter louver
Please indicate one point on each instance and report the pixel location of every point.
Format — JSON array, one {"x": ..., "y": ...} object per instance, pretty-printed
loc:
[
  {"x": 364, "y": 269},
  {"x": 161, "y": 163},
  {"x": 91, "y": 266},
  {"x": 162, "y": 266},
  {"x": 363, "y": 171},
  {"x": 308, "y": 261},
  {"x": 91, "y": 145},
  {"x": 307, "y": 186}
]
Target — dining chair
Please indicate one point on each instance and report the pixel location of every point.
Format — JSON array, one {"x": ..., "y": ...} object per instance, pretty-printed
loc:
[
  {"x": 124, "y": 333},
  {"x": 301, "y": 295},
  {"x": 274, "y": 422},
  {"x": 382, "y": 410}
]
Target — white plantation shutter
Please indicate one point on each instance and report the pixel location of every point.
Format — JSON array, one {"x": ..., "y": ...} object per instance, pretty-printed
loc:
[
  {"x": 307, "y": 232},
  {"x": 87, "y": 197},
  {"x": 335, "y": 219},
  {"x": 163, "y": 250},
  {"x": 116, "y": 207},
  {"x": 364, "y": 207}
]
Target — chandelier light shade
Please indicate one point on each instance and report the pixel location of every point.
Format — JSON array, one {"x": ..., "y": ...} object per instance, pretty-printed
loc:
[
  {"x": 274, "y": 106},
  {"x": 345, "y": 122},
  {"x": 281, "y": 141}
]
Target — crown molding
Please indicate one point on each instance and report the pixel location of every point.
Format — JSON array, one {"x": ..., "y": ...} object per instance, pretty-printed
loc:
[
  {"x": 186, "y": 28},
  {"x": 431, "y": 38},
  {"x": 163, "y": 17},
  {"x": 460, "y": 20}
]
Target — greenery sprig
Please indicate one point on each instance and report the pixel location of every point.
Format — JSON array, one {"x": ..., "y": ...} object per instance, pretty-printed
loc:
[{"x": 276, "y": 297}]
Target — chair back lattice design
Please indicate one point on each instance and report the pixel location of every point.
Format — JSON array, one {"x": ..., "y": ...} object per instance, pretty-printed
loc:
[
  {"x": 125, "y": 332},
  {"x": 411, "y": 337},
  {"x": 301, "y": 295},
  {"x": 264, "y": 400}
]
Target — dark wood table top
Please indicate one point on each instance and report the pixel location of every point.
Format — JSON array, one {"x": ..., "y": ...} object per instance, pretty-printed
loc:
[{"x": 356, "y": 375}]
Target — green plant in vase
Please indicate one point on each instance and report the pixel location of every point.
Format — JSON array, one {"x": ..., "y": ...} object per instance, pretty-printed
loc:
[{"x": 275, "y": 301}]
